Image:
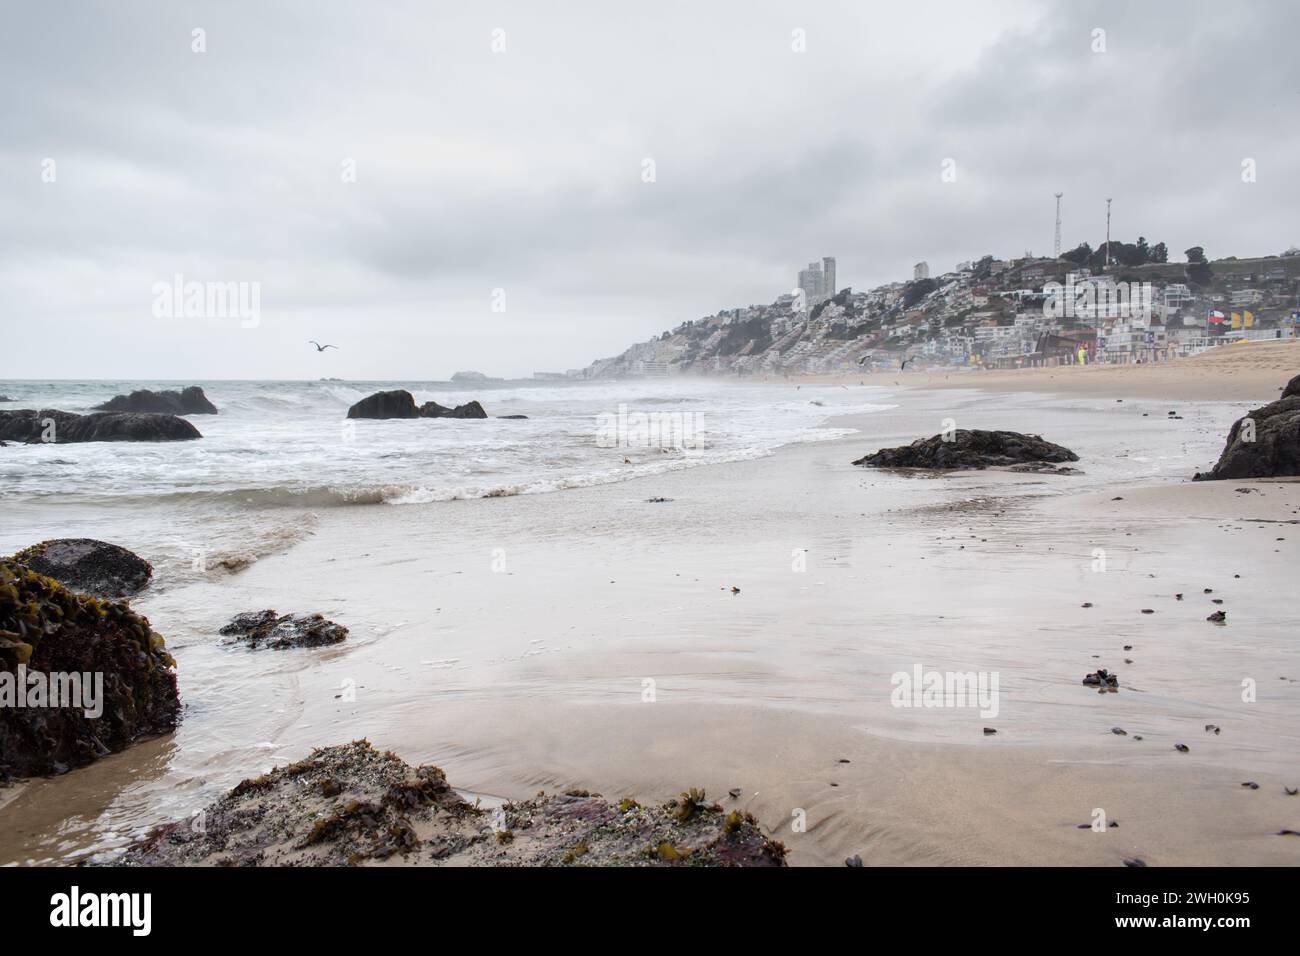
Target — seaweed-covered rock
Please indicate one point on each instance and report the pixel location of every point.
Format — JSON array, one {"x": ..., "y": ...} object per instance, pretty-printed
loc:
[
  {"x": 972, "y": 448},
  {"x": 397, "y": 403},
  {"x": 188, "y": 401},
  {"x": 1263, "y": 444},
  {"x": 281, "y": 631},
  {"x": 79, "y": 677},
  {"x": 89, "y": 566},
  {"x": 352, "y": 805},
  {"x": 49, "y": 425},
  {"x": 468, "y": 410}
]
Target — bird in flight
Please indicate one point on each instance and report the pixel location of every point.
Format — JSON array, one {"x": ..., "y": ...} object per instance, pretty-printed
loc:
[{"x": 322, "y": 348}]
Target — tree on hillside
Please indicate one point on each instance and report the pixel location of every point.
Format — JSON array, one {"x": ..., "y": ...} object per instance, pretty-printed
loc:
[
  {"x": 1143, "y": 251},
  {"x": 1159, "y": 253},
  {"x": 1198, "y": 268},
  {"x": 1080, "y": 255}
]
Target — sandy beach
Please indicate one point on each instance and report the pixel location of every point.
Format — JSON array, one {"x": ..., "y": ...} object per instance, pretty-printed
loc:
[
  {"x": 1246, "y": 372},
  {"x": 591, "y": 638}
]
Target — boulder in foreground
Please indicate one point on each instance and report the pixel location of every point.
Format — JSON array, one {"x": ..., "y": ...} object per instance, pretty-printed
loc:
[
  {"x": 53, "y": 643},
  {"x": 351, "y": 805},
  {"x": 55, "y": 427},
  {"x": 1263, "y": 444},
  {"x": 281, "y": 631},
  {"x": 188, "y": 401},
  {"x": 89, "y": 566},
  {"x": 972, "y": 449}
]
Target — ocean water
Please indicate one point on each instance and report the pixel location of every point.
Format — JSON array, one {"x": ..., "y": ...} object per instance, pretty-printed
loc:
[{"x": 278, "y": 451}]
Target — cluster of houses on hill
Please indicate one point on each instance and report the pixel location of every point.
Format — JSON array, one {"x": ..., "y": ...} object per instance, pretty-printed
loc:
[{"x": 992, "y": 313}]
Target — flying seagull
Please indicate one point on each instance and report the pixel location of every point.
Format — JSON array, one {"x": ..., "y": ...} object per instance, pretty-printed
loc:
[{"x": 322, "y": 348}]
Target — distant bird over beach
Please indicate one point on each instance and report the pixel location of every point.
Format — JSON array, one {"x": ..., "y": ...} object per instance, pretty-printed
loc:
[{"x": 322, "y": 348}]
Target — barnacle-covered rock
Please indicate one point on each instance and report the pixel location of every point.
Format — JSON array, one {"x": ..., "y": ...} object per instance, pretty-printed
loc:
[
  {"x": 79, "y": 677},
  {"x": 351, "y": 805}
]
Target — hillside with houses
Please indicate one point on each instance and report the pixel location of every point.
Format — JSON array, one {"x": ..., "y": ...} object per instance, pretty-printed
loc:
[{"x": 1122, "y": 304}]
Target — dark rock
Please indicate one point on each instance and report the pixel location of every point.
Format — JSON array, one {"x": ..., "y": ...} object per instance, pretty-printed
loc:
[
  {"x": 1275, "y": 450},
  {"x": 89, "y": 566},
  {"x": 1103, "y": 679},
  {"x": 1119, "y": 731},
  {"x": 1136, "y": 863},
  {"x": 1182, "y": 748},
  {"x": 517, "y": 418},
  {"x": 989, "y": 731},
  {"x": 188, "y": 401},
  {"x": 28, "y": 425},
  {"x": 1218, "y": 617},
  {"x": 970, "y": 449},
  {"x": 52, "y": 633},
  {"x": 468, "y": 410},
  {"x": 398, "y": 403},
  {"x": 1292, "y": 388},
  {"x": 5, "y": 398},
  {"x": 276, "y": 631},
  {"x": 351, "y": 805},
  {"x": 854, "y": 861}
]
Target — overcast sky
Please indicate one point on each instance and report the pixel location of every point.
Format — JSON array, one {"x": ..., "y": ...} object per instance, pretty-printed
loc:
[{"x": 522, "y": 169}]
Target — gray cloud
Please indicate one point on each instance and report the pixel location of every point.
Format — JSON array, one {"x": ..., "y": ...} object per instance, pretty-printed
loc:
[{"x": 521, "y": 170}]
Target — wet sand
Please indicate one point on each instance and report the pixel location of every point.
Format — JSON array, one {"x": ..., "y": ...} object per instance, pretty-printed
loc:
[{"x": 591, "y": 639}]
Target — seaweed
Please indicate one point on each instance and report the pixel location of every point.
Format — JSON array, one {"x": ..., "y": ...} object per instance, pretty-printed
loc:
[{"x": 50, "y": 629}]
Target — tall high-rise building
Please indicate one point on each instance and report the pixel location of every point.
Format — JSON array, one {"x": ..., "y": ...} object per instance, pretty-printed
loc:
[
  {"x": 817, "y": 282},
  {"x": 921, "y": 271},
  {"x": 811, "y": 283}
]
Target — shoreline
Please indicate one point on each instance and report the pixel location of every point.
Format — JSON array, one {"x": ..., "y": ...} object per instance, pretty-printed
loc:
[
  {"x": 770, "y": 688},
  {"x": 1252, "y": 372}
]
